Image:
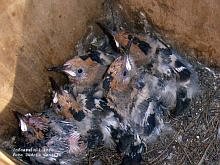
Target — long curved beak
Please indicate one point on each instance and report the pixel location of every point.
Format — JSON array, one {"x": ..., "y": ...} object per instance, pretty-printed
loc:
[
  {"x": 64, "y": 69},
  {"x": 57, "y": 68},
  {"x": 111, "y": 35}
]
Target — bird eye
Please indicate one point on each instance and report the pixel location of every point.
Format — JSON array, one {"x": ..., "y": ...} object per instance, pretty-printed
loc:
[
  {"x": 125, "y": 73},
  {"x": 79, "y": 70},
  {"x": 58, "y": 106}
]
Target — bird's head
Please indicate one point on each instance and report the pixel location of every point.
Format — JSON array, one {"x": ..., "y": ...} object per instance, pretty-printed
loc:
[
  {"x": 117, "y": 37},
  {"x": 76, "y": 69},
  {"x": 121, "y": 72},
  {"x": 82, "y": 71},
  {"x": 140, "y": 49},
  {"x": 64, "y": 103},
  {"x": 33, "y": 127}
]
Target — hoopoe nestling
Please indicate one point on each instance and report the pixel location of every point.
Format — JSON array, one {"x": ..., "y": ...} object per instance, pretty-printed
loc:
[
  {"x": 99, "y": 124},
  {"x": 65, "y": 104},
  {"x": 33, "y": 127},
  {"x": 85, "y": 71},
  {"x": 149, "y": 50},
  {"x": 160, "y": 60}
]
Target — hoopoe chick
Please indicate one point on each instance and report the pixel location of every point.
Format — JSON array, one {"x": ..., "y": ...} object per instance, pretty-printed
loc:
[
  {"x": 168, "y": 64},
  {"x": 143, "y": 47},
  {"x": 153, "y": 99},
  {"x": 170, "y": 67},
  {"x": 148, "y": 50},
  {"x": 106, "y": 127},
  {"x": 33, "y": 127},
  {"x": 85, "y": 71},
  {"x": 118, "y": 83},
  {"x": 133, "y": 100},
  {"x": 64, "y": 140},
  {"x": 65, "y": 104},
  {"x": 94, "y": 119},
  {"x": 161, "y": 61}
]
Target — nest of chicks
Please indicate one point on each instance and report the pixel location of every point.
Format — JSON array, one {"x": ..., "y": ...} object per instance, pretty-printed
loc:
[{"x": 119, "y": 94}]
